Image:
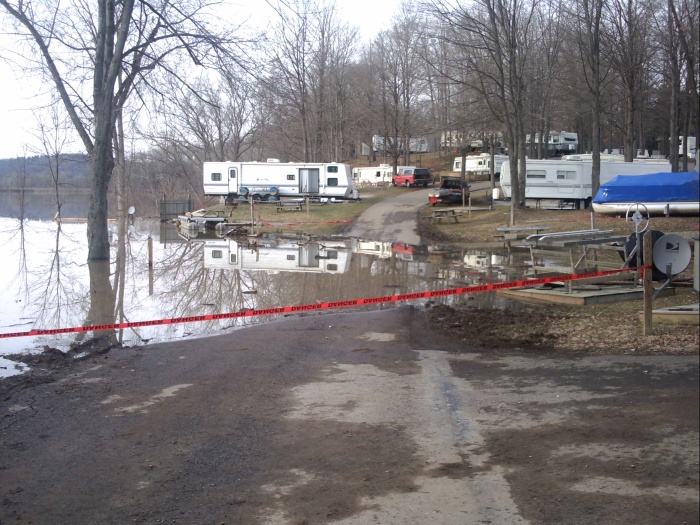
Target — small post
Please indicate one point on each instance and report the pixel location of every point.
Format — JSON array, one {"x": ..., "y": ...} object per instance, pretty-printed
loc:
[
  {"x": 150, "y": 265},
  {"x": 648, "y": 288},
  {"x": 252, "y": 213}
]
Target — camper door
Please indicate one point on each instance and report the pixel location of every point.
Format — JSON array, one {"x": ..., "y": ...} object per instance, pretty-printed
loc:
[{"x": 309, "y": 180}]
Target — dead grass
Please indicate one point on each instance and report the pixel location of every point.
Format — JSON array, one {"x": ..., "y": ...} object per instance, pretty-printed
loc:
[
  {"x": 315, "y": 219},
  {"x": 583, "y": 330}
]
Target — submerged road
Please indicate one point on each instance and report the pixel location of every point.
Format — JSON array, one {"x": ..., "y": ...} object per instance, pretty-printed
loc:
[{"x": 350, "y": 418}]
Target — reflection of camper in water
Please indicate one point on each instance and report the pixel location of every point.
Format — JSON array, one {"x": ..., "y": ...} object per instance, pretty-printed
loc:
[{"x": 278, "y": 255}]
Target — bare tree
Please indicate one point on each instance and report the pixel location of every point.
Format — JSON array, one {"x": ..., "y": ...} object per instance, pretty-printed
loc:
[
  {"x": 53, "y": 133},
  {"x": 587, "y": 17},
  {"x": 494, "y": 38},
  {"x": 685, "y": 15},
  {"x": 96, "y": 59},
  {"x": 400, "y": 80},
  {"x": 629, "y": 52}
]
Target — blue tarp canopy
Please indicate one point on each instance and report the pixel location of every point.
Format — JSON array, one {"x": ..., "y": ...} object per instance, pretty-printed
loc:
[{"x": 657, "y": 187}]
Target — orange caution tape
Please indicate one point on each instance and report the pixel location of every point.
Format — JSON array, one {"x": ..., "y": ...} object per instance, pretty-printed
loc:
[{"x": 325, "y": 305}]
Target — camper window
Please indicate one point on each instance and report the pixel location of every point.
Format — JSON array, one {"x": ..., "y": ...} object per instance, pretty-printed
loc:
[
  {"x": 232, "y": 173},
  {"x": 332, "y": 182},
  {"x": 332, "y": 254},
  {"x": 536, "y": 174},
  {"x": 216, "y": 177},
  {"x": 332, "y": 267},
  {"x": 291, "y": 257},
  {"x": 217, "y": 254},
  {"x": 290, "y": 177},
  {"x": 566, "y": 175},
  {"x": 332, "y": 169}
]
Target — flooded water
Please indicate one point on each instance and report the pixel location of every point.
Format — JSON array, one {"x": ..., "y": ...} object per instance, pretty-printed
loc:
[{"x": 46, "y": 281}]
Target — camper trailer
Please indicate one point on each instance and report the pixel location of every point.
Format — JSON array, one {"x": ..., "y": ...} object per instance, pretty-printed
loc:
[
  {"x": 268, "y": 181},
  {"x": 480, "y": 164},
  {"x": 278, "y": 255},
  {"x": 692, "y": 146},
  {"x": 376, "y": 175},
  {"x": 569, "y": 179},
  {"x": 415, "y": 145},
  {"x": 558, "y": 142}
]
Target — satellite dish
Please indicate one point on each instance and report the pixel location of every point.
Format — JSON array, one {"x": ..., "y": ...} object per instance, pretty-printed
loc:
[
  {"x": 131, "y": 210},
  {"x": 673, "y": 250}
]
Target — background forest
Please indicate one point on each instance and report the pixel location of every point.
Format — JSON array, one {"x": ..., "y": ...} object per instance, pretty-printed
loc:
[{"x": 623, "y": 74}]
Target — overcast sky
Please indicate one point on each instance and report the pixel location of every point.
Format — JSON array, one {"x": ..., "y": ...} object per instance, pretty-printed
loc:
[{"x": 19, "y": 94}]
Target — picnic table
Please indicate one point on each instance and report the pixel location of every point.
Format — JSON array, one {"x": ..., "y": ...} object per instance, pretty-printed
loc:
[
  {"x": 521, "y": 230},
  {"x": 444, "y": 213},
  {"x": 289, "y": 206},
  {"x": 517, "y": 233},
  {"x": 577, "y": 251}
]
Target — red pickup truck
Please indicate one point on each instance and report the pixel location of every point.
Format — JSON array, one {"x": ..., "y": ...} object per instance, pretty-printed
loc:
[{"x": 412, "y": 177}]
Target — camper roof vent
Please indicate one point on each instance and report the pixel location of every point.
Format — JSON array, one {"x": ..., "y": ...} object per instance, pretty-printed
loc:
[{"x": 273, "y": 160}]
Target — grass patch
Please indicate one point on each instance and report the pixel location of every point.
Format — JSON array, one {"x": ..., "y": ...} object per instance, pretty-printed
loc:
[{"x": 314, "y": 219}]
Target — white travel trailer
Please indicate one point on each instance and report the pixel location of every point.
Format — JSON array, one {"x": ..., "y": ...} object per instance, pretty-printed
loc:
[
  {"x": 415, "y": 145},
  {"x": 480, "y": 164},
  {"x": 282, "y": 255},
  {"x": 692, "y": 146},
  {"x": 273, "y": 179},
  {"x": 376, "y": 175},
  {"x": 569, "y": 179},
  {"x": 558, "y": 142}
]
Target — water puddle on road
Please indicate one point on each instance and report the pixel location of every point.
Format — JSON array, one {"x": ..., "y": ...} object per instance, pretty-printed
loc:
[{"x": 161, "y": 272}]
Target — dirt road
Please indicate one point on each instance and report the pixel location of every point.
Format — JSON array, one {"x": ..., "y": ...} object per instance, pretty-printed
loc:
[
  {"x": 349, "y": 418},
  {"x": 395, "y": 219}
]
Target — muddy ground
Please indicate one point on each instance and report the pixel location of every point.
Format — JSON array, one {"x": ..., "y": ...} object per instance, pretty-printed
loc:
[
  {"x": 609, "y": 329},
  {"x": 419, "y": 414}
]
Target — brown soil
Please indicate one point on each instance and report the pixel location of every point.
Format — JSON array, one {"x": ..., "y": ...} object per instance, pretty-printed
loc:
[{"x": 601, "y": 329}]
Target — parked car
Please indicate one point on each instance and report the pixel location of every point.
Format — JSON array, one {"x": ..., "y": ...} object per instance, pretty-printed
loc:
[
  {"x": 449, "y": 191},
  {"x": 412, "y": 176}
]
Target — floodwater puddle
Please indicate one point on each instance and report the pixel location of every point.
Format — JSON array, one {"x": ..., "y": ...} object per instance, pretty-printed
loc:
[{"x": 161, "y": 272}]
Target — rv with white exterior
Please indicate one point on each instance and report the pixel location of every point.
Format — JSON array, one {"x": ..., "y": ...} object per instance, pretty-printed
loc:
[
  {"x": 281, "y": 255},
  {"x": 558, "y": 142},
  {"x": 692, "y": 146},
  {"x": 377, "y": 175},
  {"x": 569, "y": 179},
  {"x": 273, "y": 179},
  {"x": 480, "y": 164},
  {"x": 415, "y": 145}
]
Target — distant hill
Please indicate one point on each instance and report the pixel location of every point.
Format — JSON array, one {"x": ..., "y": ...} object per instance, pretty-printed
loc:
[{"x": 34, "y": 172}]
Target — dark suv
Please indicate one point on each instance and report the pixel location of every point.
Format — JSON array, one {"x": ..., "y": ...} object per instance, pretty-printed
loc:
[{"x": 449, "y": 191}]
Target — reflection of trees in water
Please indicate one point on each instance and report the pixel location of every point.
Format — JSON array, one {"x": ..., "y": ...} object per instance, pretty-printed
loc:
[{"x": 48, "y": 277}]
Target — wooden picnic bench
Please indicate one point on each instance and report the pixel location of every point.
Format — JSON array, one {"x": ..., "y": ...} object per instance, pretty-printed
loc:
[
  {"x": 576, "y": 252},
  {"x": 289, "y": 206},
  {"x": 509, "y": 234},
  {"x": 444, "y": 213}
]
